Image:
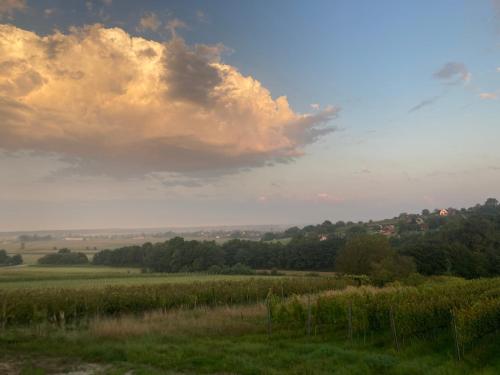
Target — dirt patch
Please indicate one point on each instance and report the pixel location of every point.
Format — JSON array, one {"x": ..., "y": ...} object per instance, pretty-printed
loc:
[{"x": 48, "y": 366}]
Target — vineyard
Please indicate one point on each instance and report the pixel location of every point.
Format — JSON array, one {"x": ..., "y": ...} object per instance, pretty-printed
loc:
[
  {"x": 63, "y": 306},
  {"x": 299, "y": 324},
  {"x": 468, "y": 309}
]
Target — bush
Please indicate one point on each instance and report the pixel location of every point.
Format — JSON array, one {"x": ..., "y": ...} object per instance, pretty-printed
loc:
[
  {"x": 215, "y": 270},
  {"x": 238, "y": 269},
  {"x": 6, "y": 260},
  {"x": 64, "y": 257}
]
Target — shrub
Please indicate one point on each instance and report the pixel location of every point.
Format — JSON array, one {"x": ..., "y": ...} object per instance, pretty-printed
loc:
[
  {"x": 6, "y": 260},
  {"x": 64, "y": 257}
]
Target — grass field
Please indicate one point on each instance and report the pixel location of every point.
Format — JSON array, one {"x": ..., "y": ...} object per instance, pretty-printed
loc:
[{"x": 227, "y": 340}]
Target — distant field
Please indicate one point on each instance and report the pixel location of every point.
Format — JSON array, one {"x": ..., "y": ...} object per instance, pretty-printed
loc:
[
  {"x": 33, "y": 250},
  {"x": 95, "y": 276}
]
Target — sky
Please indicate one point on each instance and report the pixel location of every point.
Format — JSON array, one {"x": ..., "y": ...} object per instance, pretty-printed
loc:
[{"x": 127, "y": 114}]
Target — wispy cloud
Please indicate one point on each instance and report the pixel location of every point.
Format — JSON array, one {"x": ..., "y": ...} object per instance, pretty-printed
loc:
[
  {"x": 327, "y": 198},
  {"x": 488, "y": 96},
  {"x": 424, "y": 103},
  {"x": 201, "y": 16},
  {"x": 453, "y": 73},
  {"x": 49, "y": 12},
  {"x": 149, "y": 22},
  {"x": 173, "y": 25},
  {"x": 9, "y": 7}
]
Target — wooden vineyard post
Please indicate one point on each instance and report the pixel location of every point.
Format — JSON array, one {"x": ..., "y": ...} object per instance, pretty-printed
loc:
[
  {"x": 349, "y": 321},
  {"x": 393, "y": 328},
  {"x": 269, "y": 313},
  {"x": 455, "y": 334},
  {"x": 4, "y": 316},
  {"x": 309, "y": 315}
]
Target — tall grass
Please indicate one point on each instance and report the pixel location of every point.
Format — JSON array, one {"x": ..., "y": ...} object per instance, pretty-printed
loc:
[{"x": 202, "y": 321}]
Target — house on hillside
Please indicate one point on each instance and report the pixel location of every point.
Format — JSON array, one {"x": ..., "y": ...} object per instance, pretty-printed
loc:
[
  {"x": 443, "y": 212},
  {"x": 388, "y": 230}
]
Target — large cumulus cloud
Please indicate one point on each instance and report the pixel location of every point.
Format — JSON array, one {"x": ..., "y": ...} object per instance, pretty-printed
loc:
[{"x": 115, "y": 104}]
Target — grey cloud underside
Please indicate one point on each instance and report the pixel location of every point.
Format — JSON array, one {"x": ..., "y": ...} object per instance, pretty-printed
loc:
[
  {"x": 310, "y": 128},
  {"x": 189, "y": 74},
  {"x": 189, "y": 156},
  {"x": 198, "y": 160}
]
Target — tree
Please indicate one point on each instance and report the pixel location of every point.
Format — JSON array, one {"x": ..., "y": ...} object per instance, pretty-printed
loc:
[
  {"x": 16, "y": 259},
  {"x": 6, "y": 260},
  {"x": 491, "y": 202},
  {"x": 429, "y": 254},
  {"x": 361, "y": 253},
  {"x": 292, "y": 232},
  {"x": 268, "y": 236},
  {"x": 3, "y": 257},
  {"x": 64, "y": 256},
  {"x": 395, "y": 267},
  {"x": 356, "y": 230}
]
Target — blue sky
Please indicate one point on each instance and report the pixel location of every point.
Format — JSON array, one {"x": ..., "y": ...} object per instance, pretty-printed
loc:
[{"x": 415, "y": 84}]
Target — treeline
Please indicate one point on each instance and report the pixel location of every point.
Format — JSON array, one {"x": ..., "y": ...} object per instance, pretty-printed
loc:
[
  {"x": 64, "y": 257},
  {"x": 6, "y": 260},
  {"x": 466, "y": 243},
  {"x": 179, "y": 255}
]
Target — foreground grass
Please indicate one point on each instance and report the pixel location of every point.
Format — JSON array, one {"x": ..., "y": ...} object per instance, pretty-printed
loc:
[{"x": 230, "y": 340}]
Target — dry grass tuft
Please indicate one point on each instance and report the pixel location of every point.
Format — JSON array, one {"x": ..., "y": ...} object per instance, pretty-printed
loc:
[
  {"x": 348, "y": 290},
  {"x": 226, "y": 320}
]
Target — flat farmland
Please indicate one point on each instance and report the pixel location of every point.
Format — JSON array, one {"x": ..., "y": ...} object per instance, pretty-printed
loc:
[
  {"x": 97, "y": 277},
  {"x": 31, "y": 251}
]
